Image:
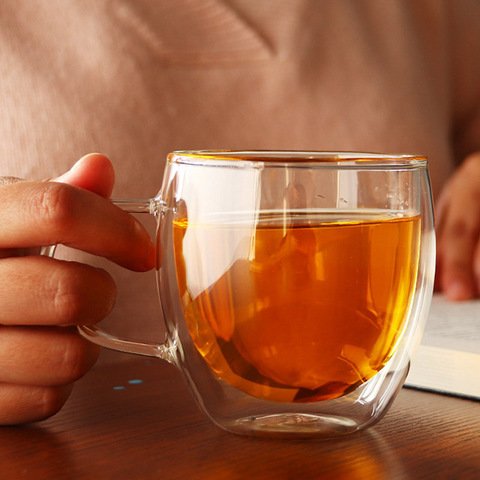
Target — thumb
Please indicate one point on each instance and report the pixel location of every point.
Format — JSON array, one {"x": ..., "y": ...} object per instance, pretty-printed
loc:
[{"x": 93, "y": 172}]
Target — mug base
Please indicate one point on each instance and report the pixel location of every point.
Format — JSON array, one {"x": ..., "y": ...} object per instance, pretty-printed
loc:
[{"x": 298, "y": 425}]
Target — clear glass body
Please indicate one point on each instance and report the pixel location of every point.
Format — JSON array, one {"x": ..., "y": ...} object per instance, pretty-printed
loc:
[{"x": 294, "y": 285}]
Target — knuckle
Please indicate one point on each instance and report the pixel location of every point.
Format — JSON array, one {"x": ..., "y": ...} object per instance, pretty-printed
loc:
[
  {"x": 461, "y": 231},
  {"x": 81, "y": 294},
  {"x": 67, "y": 303},
  {"x": 55, "y": 204},
  {"x": 10, "y": 180}
]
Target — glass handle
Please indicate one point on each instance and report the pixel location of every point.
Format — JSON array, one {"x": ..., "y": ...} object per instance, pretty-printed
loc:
[{"x": 100, "y": 337}]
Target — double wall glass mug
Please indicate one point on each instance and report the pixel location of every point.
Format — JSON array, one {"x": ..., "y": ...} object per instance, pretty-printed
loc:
[{"x": 294, "y": 285}]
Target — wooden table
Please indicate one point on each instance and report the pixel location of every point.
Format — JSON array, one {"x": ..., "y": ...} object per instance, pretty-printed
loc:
[{"x": 136, "y": 420}]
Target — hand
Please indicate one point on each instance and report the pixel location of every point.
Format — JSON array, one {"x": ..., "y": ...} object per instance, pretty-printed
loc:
[
  {"x": 458, "y": 233},
  {"x": 41, "y": 298}
]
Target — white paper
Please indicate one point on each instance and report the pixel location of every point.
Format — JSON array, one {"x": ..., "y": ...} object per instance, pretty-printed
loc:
[
  {"x": 453, "y": 325},
  {"x": 448, "y": 359}
]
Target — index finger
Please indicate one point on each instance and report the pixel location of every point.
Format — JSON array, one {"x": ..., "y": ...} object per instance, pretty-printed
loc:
[
  {"x": 456, "y": 269},
  {"x": 34, "y": 214}
]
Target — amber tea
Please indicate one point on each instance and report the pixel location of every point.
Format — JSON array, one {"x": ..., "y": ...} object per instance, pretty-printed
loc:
[{"x": 297, "y": 306}]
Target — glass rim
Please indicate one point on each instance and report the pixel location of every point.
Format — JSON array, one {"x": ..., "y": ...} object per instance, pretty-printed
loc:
[{"x": 298, "y": 158}]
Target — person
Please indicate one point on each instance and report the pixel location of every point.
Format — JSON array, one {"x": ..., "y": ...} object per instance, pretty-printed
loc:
[{"x": 135, "y": 80}]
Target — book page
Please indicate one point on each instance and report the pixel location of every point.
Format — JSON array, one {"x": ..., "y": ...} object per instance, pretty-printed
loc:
[
  {"x": 453, "y": 325},
  {"x": 448, "y": 359}
]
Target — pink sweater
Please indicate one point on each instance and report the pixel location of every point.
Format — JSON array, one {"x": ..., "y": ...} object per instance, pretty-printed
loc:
[{"x": 137, "y": 79}]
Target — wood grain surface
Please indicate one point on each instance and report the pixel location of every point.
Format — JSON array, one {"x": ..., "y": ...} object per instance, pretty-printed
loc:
[{"x": 135, "y": 419}]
